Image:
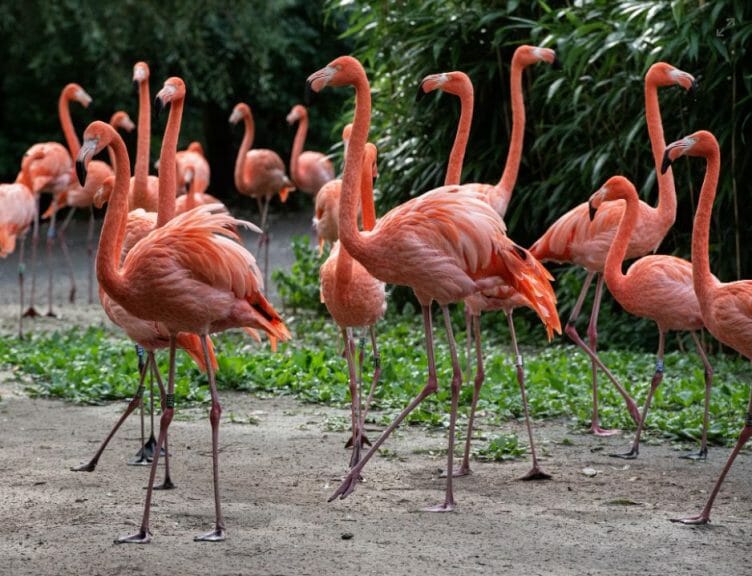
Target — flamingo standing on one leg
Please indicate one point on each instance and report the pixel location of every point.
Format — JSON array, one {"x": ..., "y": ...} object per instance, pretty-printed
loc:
[
  {"x": 450, "y": 243},
  {"x": 498, "y": 196},
  {"x": 260, "y": 174},
  {"x": 17, "y": 213},
  {"x": 657, "y": 287},
  {"x": 574, "y": 238},
  {"x": 355, "y": 298},
  {"x": 309, "y": 170},
  {"x": 725, "y": 306},
  {"x": 189, "y": 274}
]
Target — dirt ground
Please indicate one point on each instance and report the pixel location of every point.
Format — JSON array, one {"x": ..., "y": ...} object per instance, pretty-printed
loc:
[{"x": 278, "y": 472}]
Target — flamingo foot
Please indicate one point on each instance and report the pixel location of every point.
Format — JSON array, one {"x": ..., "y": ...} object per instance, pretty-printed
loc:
[
  {"x": 88, "y": 467},
  {"x": 347, "y": 486},
  {"x": 457, "y": 472},
  {"x": 51, "y": 314},
  {"x": 445, "y": 507},
  {"x": 363, "y": 441},
  {"x": 143, "y": 537},
  {"x": 631, "y": 455},
  {"x": 698, "y": 520},
  {"x": 216, "y": 535},
  {"x": 166, "y": 485},
  {"x": 634, "y": 411},
  {"x": 701, "y": 455},
  {"x": 31, "y": 312},
  {"x": 598, "y": 431},
  {"x": 535, "y": 473},
  {"x": 140, "y": 460}
]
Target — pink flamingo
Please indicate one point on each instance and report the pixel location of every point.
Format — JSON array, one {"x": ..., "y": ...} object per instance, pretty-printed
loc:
[
  {"x": 725, "y": 306},
  {"x": 450, "y": 243},
  {"x": 144, "y": 188},
  {"x": 17, "y": 213},
  {"x": 501, "y": 298},
  {"x": 260, "y": 174},
  {"x": 657, "y": 287},
  {"x": 192, "y": 169},
  {"x": 189, "y": 274},
  {"x": 355, "y": 298},
  {"x": 574, "y": 238},
  {"x": 309, "y": 170}
]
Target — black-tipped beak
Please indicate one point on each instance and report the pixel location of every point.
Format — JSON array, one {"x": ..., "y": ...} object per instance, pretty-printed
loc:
[
  {"x": 158, "y": 106},
  {"x": 693, "y": 89},
  {"x": 556, "y": 63},
  {"x": 591, "y": 211},
  {"x": 666, "y": 164},
  {"x": 310, "y": 94},
  {"x": 421, "y": 94},
  {"x": 81, "y": 171},
  {"x": 136, "y": 85}
]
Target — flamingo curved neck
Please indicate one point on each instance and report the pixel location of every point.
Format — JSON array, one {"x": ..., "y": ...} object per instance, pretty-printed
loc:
[
  {"x": 457, "y": 155},
  {"x": 245, "y": 145},
  {"x": 701, "y": 276},
  {"x": 141, "y": 169},
  {"x": 167, "y": 163},
  {"x": 113, "y": 227},
  {"x": 613, "y": 274},
  {"x": 349, "y": 235},
  {"x": 297, "y": 145},
  {"x": 368, "y": 210},
  {"x": 666, "y": 206},
  {"x": 63, "y": 110},
  {"x": 514, "y": 154}
]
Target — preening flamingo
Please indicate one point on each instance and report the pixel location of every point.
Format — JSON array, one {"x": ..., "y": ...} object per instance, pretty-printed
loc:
[
  {"x": 189, "y": 274},
  {"x": 574, "y": 238},
  {"x": 18, "y": 209},
  {"x": 726, "y": 306},
  {"x": 354, "y": 298},
  {"x": 658, "y": 287},
  {"x": 260, "y": 174},
  {"x": 450, "y": 243},
  {"x": 498, "y": 196},
  {"x": 309, "y": 170}
]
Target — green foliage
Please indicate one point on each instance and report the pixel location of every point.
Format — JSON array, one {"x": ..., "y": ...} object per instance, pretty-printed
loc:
[
  {"x": 584, "y": 123},
  {"x": 299, "y": 288},
  {"x": 500, "y": 449}
]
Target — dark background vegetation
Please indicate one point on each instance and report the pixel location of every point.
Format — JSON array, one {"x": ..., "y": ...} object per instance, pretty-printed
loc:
[{"x": 585, "y": 122}]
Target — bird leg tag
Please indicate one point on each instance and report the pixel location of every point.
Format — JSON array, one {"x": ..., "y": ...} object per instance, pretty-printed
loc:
[
  {"x": 520, "y": 363},
  {"x": 659, "y": 366},
  {"x": 748, "y": 419},
  {"x": 169, "y": 400}
]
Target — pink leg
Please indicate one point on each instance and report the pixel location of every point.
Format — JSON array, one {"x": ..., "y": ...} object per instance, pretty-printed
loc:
[
  {"x": 167, "y": 483},
  {"x": 480, "y": 376},
  {"x": 90, "y": 249},
  {"x": 132, "y": 405},
  {"x": 536, "y": 472},
  {"x": 145, "y": 453},
  {"x": 571, "y": 331},
  {"x": 376, "y": 376},
  {"x": 657, "y": 379},
  {"x": 31, "y": 312},
  {"x": 468, "y": 342},
  {"x": 264, "y": 237},
  {"x": 704, "y": 516},
  {"x": 351, "y": 480},
  {"x": 703, "y": 453},
  {"x": 21, "y": 269},
  {"x": 143, "y": 536},
  {"x": 51, "y": 234},
  {"x": 218, "y": 534},
  {"x": 354, "y": 398}
]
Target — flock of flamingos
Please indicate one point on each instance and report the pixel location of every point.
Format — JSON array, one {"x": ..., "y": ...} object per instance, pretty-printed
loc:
[{"x": 172, "y": 270}]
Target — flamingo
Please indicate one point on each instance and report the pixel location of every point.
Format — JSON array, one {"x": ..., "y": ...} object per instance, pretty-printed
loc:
[
  {"x": 574, "y": 238},
  {"x": 259, "y": 173},
  {"x": 190, "y": 275},
  {"x": 725, "y": 306},
  {"x": 501, "y": 298},
  {"x": 657, "y": 287},
  {"x": 449, "y": 244},
  {"x": 309, "y": 170},
  {"x": 192, "y": 169},
  {"x": 355, "y": 298},
  {"x": 144, "y": 188},
  {"x": 18, "y": 209},
  {"x": 326, "y": 205}
]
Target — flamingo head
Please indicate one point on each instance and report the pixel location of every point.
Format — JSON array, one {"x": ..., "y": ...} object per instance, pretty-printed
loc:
[
  {"x": 526, "y": 55},
  {"x": 341, "y": 71},
  {"x": 173, "y": 89},
  {"x": 140, "y": 73},
  {"x": 456, "y": 83},
  {"x": 239, "y": 112},
  {"x": 97, "y": 136},
  {"x": 664, "y": 74},
  {"x": 121, "y": 121},
  {"x": 298, "y": 112},
  {"x": 701, "y": 143},
  {"x": 615, "y": 188},
  {"x": 196, "y": 147},
  {"x": 74, "y": 91}
]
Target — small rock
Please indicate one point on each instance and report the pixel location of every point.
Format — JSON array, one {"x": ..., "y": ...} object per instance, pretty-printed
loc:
[
  {"x": 347, "y": 536},
  {"x": 589, "y": 472}
]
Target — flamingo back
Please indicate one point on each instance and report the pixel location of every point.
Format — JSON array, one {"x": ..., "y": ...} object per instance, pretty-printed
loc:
[
  {"x": 264, "y": 175},
  {"x": 17, "y": 211},
  {"x": 314, "y": 169},
  {"x": 326, "y": 215}
]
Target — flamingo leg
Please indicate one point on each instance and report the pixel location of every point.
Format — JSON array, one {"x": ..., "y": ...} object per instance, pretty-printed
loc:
[
  {"x": 21, "y": 269},
  {"x": 351, "y": 480},
  {"x": 703, "y": 453},
  {"x": 704, "y": 516},
  {"x": 90, "y": 250},
  {"x": 66, "y": 254},
  {"x": 571, "y": 331},
  {"x": 144, "y": 454},
  {"x": 31, "y": 312},
  {"x": 218, "y": 534},
  {"x": 480, "y": 376},
  {"x": 91, "y": 465},
  {"x": 536, "y": 472},
  {"x": 51, "y": 235},
  {"x": 264, "y": 238},
  {"x": 468, "y": 342},
  {"x": 374, "y": 380},
  {"x": 448, "y": 504},
  {"x": 354, "y": 398},
  {"x": 143, "y": 536},
  {"x": 167, "y": 483},
  {"x": 657, "y": 379}
]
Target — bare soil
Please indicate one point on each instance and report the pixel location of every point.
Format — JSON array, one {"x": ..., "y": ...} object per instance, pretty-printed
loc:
[{"x": 279, "y": 464}]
